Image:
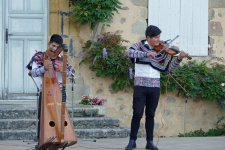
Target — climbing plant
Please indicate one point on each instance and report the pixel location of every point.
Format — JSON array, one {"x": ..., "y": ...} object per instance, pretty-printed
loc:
[
  {"x": 198, "y": 81},
  {"x": 93, "y": 11},
  {"x": 107, "y": 57}
]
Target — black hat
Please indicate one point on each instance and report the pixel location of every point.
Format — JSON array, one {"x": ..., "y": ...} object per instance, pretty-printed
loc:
[{"x": 152, "y": 31}]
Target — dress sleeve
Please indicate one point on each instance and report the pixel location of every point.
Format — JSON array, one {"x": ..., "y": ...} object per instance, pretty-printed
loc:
[{"x": 37, "y": 70}]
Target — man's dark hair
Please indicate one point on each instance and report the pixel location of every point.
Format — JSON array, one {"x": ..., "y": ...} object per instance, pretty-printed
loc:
[
  {"x": 152, "y": 31},
  {"x": 56, "y": 38}
]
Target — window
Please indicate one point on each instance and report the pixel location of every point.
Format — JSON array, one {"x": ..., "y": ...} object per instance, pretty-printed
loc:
[{"x": 186, "y": 18}]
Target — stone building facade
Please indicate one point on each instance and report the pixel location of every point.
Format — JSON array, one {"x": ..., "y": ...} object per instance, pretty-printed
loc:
[{"x": 173, "y": 114}]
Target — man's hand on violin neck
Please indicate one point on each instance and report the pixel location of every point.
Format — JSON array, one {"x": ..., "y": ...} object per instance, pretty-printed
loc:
[
  {"x": 151, "y": 54},
  {"x": 182, "y": 55}
]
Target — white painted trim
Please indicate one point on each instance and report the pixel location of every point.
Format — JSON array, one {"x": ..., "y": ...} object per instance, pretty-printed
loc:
[
  {"x": 1, "y": 49},
  {"x": 6, "y": 65}
]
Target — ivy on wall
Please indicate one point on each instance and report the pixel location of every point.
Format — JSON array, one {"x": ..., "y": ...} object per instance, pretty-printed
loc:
[
  {"x": 197, "y": 81},
  {"x": 93, "y": 11},
  {"x": 108, "y": 58}
]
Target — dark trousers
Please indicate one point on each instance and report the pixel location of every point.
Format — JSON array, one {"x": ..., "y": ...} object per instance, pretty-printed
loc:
[{"x": 144, "y": 97}]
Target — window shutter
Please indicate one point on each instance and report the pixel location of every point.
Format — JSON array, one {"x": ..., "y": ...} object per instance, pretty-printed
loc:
[{"x": 188, "y": 19}]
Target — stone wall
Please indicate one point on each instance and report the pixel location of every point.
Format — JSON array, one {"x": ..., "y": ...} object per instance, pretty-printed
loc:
[
  {"x": 217, "y": 28},
  {"x": 173, "y": 115}
]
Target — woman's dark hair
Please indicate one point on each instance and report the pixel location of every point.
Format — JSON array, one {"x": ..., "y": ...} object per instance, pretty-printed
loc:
[{"x": 56, "y": 38}]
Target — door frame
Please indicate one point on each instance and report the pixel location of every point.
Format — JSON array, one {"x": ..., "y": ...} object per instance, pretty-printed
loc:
[
  {"x": 2, "y": 50},
  {"x": 4, "y": 47}
]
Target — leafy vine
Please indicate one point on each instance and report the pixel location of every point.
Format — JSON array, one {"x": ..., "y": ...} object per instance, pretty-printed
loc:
[
  {"x": 94, "y": 11},
  {"x": 108, "y": 58}
]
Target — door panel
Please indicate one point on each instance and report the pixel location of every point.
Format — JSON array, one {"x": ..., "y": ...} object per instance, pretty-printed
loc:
[
  {"x": 26, "y": 26},
  {"x": 19, "y": 81},
  {"x": 27, "y": 6},
  {"x": 15, "y": 65},
  {"x": 16, "y": 6},
  {"x": 35, "y": 6},
  {"x": 26, "y": 22}
]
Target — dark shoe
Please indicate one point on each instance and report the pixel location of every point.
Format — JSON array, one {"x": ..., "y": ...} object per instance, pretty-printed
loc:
[
  {"x": 131, "y": 145},
  {"x": 151, "y": 146}
]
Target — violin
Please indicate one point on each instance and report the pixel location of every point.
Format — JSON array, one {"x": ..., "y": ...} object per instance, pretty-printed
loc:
[{"x": 173, "y": 50}]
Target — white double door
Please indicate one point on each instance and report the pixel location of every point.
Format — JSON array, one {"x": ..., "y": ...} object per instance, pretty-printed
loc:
[{"x": 26, "y": 30}]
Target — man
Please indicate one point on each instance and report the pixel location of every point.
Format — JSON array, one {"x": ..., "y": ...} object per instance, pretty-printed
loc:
[
  {"x": 148, "y": 65},
  {"x": 37, "y": 68}
]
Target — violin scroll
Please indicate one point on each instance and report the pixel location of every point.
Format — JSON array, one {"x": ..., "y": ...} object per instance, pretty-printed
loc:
[{"x": 173, "y": 50}]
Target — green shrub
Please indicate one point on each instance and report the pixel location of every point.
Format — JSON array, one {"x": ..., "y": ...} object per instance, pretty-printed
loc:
[
  {"x": 108, "y": 58},
  {"x": 93, "y": 11},
  {"x": 199, "y": 81},
  {"x": 201, "y": 133}
]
